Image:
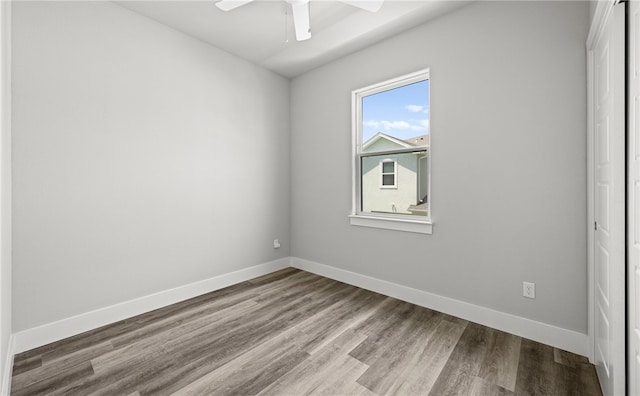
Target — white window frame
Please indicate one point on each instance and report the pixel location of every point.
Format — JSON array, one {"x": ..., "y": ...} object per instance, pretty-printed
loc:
[
  {"x": 357, "y": 217},
  {"x": 383, "y": 174}
]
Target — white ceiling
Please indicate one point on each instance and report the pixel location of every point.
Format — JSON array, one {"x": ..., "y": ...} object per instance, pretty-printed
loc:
[{"x": 257, "y": 31}]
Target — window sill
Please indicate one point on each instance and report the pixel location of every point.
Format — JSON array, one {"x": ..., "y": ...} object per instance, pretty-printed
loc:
[{"x": 408, "y": 225}]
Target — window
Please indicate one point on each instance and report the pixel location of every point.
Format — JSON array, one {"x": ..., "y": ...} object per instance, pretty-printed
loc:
[
  {"x": 392, "y": 154},
  {"x": 388, "y": 174}
]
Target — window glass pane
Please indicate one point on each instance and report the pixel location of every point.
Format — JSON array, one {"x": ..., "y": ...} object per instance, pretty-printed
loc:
[
  {"x": 392, "y": 131},
  {"x": 396, "y": 118},
  {"x": 387, "y": 167},
  {"x": 410, "y": 192}
]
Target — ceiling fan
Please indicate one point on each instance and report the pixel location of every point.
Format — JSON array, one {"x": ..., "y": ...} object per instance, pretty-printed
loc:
[{"x": 300, "y": 11}]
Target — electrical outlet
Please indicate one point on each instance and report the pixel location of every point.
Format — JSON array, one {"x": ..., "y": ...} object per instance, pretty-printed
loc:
[
  {"x": 529, "y": 289},
  {"x": 276, "y": 243}
]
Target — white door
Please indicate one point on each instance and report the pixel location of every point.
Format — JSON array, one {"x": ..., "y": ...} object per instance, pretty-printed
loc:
[
  {"x": 608, "y": 57},
  {"x": 633, "y": 201}
]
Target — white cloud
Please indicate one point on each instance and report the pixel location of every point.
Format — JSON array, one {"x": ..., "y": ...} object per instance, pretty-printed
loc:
[
  {"x": 372, "y": 124},
  {"x": 414, "y": 108},
  {"x": 386, "y": 126},
  {"x": 396, "y": 125}
]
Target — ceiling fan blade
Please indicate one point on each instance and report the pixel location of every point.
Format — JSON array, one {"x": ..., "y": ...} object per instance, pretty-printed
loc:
[
  {"x": 228, "y": 5},
  {"x": 301, "y": 23},
  {"x": 369, "y": 5}
]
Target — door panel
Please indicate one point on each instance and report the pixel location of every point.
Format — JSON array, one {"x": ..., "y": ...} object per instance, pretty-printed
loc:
[{"x": 609, "y": 202}]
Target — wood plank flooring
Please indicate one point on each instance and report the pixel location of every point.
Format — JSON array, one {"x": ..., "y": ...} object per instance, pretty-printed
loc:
[{"x": 296, "y": 333}]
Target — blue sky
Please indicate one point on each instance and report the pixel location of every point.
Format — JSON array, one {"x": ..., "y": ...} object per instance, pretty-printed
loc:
[{"x": 402, "y": 112}]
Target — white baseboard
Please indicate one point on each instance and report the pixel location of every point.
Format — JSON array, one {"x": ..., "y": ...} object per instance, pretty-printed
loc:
[
  {"x": 568, "y": 340},
  {"x": 551, "y": 335},
  {"x": 5, "y": 381},
  {"x": 55, "y": 331}
]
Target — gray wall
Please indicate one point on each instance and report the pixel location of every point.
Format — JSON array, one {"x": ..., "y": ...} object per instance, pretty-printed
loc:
[
  {"x": 143, "y": 160},
  {"x": 508, "y": 119},
  {"x": 5, "y": 185}
]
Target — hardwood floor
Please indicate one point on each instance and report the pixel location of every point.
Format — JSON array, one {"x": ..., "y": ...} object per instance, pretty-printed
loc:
[{"x": 296, "y": 333}]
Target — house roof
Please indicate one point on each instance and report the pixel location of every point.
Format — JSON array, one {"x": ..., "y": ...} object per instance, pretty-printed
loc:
[{"x": 421, "y": 140}]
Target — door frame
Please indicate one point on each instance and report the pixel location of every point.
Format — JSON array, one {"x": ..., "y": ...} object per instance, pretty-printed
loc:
[
  {"x": 604, "y": 11},
  {"x": 6, "y": 337},
  {"x": 633, "y": 209}
]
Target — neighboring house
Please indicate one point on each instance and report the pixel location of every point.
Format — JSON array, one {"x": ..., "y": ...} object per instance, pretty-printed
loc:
[{"x": 395, "y": 183}]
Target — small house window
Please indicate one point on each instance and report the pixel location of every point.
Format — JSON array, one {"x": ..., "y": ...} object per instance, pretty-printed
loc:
[{"x": 388, "y": 168}]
